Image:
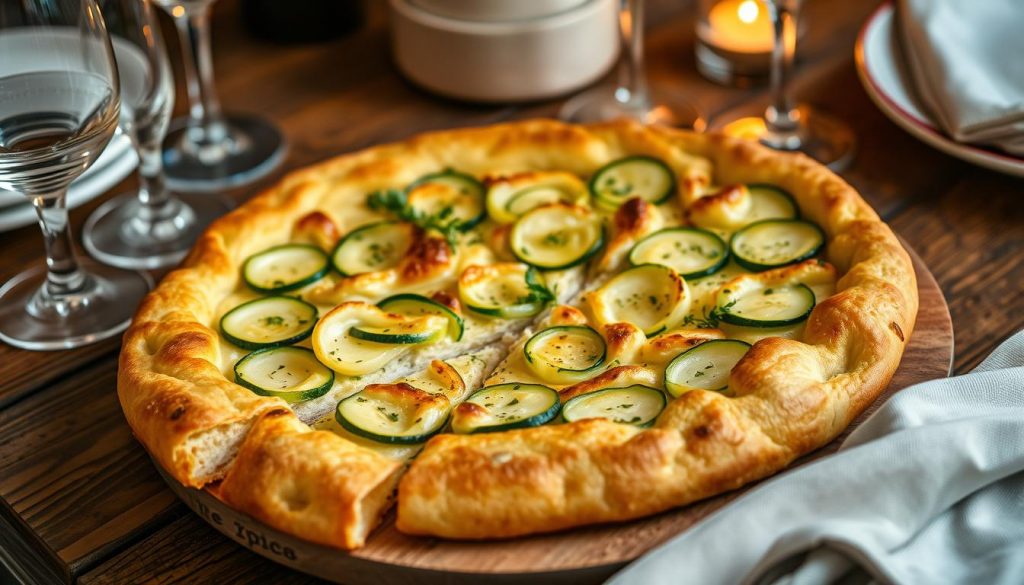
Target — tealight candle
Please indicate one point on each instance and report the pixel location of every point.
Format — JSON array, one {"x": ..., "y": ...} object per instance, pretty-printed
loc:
[
  {"x": 735, "y": 40},
  {"x": 742, "y": 26}
]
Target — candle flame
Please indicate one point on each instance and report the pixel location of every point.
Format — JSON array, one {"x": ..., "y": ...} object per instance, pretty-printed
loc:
[{"x": 748, "y": 11}]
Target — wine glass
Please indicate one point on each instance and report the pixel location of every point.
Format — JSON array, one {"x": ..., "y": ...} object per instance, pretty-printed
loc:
[
  {"x": 632, "y": 97},
  {"x": 59, "y": 102},
  {"x": 785, "y": 126},
  {"x": 209, "y": 150},
  {"x": 150, "y": 228}
]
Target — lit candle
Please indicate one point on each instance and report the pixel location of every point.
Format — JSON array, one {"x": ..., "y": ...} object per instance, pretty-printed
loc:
[{"x": 742, "y": 26}]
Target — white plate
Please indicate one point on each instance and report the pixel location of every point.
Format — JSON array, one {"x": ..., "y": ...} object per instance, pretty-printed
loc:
[
  {"x": 113, "y": 164},
  {"x": 888, "y": 84}
]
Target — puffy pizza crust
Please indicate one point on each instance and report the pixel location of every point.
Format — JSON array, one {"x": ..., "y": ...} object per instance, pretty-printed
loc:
[
  {"x": 791, "y": 397},
  {"x": 177, "y": 402},
  {"x": 311, "y": 483}
]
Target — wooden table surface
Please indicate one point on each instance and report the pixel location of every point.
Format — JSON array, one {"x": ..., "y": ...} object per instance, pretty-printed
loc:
[{"x": 80, "y": 501}]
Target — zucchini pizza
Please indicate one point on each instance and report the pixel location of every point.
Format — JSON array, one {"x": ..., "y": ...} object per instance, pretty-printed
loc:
[{"x": 517, "y": 329}]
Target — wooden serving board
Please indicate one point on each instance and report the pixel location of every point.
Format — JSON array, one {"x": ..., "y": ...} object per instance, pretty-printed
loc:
[{"x": 583, "y": 555}]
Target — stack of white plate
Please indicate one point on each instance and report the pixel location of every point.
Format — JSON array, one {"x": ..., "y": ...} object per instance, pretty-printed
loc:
[
  {"x": 504, "y": 50},
  {"x": 113, "y": 164}
]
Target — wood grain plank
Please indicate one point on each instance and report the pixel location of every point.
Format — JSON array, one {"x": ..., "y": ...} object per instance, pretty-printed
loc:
[
  {"x": 25, "y": 371},
  {"x": 72, "y": 474},
  {"x": 19, "y": 554},
  {"x": 972, "y": 237}
]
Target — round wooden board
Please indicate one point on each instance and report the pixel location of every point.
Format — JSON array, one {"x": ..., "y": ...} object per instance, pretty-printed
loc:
[{"x": 583, "y": 555}]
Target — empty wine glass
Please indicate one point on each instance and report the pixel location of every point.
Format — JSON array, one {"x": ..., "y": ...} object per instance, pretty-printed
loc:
[
  {"x": 209, "y": 150},
  {"x": 785, "y": 126},
  {"x": 632, "y": 97},
  {"x": 150, "y": 228},
  {"x": 59, "y": 101}
]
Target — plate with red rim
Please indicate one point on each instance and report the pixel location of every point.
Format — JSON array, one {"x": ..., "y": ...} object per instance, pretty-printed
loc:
[{"x": 886, "y": 80}]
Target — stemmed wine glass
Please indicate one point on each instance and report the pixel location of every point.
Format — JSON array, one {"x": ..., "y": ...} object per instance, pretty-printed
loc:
[
  {"x": 150, "y": 228},
  {"x": 59, "y": 102},
  {"x": 632, "y": 97},
  {"x": 209, "y": 150},
  {"x": 785, "y": 126}
]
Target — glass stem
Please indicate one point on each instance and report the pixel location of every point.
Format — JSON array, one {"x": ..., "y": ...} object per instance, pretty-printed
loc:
[
  {"x": 193, "y": 26},
  {"x": 153, "y": 194},
  {"x": 63, "y": 274},
  {"x": 782, "y": 120},
  {"x": 632, "y": 87}
]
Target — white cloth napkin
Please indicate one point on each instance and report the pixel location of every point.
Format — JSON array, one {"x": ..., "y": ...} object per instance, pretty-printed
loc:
[
  {"x": 966, "y": 59},
  {"x": 929, "y": 489}
]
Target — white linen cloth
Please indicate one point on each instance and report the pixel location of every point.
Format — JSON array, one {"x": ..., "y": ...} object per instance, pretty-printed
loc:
[
  {"x": 966, "y": 60},
  {"x": 929, "y": 489}
]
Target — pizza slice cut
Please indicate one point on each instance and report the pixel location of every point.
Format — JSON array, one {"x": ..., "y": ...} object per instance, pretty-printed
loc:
[{"x": 333, "y": 481}]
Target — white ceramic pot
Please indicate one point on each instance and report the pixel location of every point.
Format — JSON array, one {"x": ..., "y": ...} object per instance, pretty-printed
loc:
[
  {"x": 496, "y": 10},
  {"x": 510, "y": 61}
]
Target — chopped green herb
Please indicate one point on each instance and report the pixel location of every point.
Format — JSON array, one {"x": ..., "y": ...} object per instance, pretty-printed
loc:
[{"x": 397, "y": 203}]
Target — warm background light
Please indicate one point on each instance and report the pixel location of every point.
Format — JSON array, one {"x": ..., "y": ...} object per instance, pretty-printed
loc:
[
  {"x": 748, "y": 11},
  {"x": 741, "y": 26}
]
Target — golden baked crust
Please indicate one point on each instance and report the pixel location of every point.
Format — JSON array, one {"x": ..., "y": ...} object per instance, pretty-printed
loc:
[
  {"x": 312, "y": 483},
  {"x": 790, "y": 397},
  {"x": 176, "y": 400}
]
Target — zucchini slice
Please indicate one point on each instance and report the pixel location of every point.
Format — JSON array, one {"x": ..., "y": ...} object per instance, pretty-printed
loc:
[
  {"x": 448, "y": 195},
  {"x": 692, "y": 252},
  {"x": 413, "y": 305},
  {"x": 565, "y": 354},
  {"x": 509, "y": 198},
  {"x": 556, "y": 236},
  {"x": 751, "y": 304},
  {"x": 706, "y": 366},
  {"x": 770, "y": 202},
  {"x": 398, "y": 329},
  {"x": 651, "y": 296},
  {"x": 772, "y": 243},
  {"x": 268, "y": 322},
  {"x": 373, "y": 247},
  {"x": 635, "y": 176},
  {"x": 504, "y": 407},
  {"x": 285, "y": 268},
  {"x": 636, "y": 405},
  {"x": 346, "y": 354},
  {"x": 291, "y": 373},
  {"x": 506, "y": 291},
  {"x": 393, "y": 413},
  {"x": 529, "y": 199}
]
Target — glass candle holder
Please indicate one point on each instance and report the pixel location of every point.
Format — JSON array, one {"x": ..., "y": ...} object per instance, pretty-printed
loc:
[{"x": 734, "y": 41}]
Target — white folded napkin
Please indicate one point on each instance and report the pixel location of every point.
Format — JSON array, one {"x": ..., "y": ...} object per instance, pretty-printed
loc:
[
  {"x": 929, "y": 489},
  {"x": 966, "y": 59}
]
